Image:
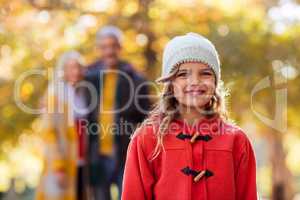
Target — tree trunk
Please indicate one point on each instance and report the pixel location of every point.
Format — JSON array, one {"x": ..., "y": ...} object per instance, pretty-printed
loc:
[
  {"x": 281, "y": 176},
  {"x": 144, "y": 27}
]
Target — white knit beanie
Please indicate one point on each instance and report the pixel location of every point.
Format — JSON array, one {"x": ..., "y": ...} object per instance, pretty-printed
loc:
[{"x": 190, "y": 47}]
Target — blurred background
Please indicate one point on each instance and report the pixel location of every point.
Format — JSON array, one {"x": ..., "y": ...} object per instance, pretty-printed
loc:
[{"x": 255, "y": 38}]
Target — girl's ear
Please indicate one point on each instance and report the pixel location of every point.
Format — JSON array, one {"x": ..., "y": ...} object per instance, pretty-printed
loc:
[{"x": 212, "y": 102}]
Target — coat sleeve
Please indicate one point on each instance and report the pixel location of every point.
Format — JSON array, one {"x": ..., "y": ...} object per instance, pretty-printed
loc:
[
  {"x": 246, "y": 174},
  {"x": 138, "y": 175}
]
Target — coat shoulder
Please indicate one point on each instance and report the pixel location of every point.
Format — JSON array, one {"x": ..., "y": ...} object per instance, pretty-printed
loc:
[
  {"x": 239, "y": 135},
  {"x": 146, "y": 133},
  {"x": 145, "y": 138}
]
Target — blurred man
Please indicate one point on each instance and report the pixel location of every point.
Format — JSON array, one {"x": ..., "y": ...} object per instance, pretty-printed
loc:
[{"x": 120, "y": 108}]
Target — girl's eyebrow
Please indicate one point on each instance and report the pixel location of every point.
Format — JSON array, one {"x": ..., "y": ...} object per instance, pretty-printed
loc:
[
  {"x": 180, "y": 70},
  {"x": 206, "y": 69}
]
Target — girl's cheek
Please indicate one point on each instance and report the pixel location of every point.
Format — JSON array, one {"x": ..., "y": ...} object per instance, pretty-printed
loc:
[
  {"x": 178, "y": 93},
  {"x": 209, "y": 81},
  {"x": 210, "y": 84},
  {"x": 178, "y": 86}
]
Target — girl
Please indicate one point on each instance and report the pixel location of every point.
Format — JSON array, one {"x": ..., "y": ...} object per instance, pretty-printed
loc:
[
  {"x": 63, "y": 174},
  {"x": 187, "y": 149}
]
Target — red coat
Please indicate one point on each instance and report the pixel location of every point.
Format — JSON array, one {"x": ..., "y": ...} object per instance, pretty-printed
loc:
[{"x": 218, "y": 165}]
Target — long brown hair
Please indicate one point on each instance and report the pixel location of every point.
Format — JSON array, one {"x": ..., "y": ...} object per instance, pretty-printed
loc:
[{"x": 166, "y": 109}]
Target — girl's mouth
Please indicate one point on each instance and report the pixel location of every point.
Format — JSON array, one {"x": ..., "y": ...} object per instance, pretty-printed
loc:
[{"x": 195, "y": 92}]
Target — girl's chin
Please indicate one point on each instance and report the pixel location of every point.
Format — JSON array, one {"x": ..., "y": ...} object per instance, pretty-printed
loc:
[{"x": 195, "y": 105}]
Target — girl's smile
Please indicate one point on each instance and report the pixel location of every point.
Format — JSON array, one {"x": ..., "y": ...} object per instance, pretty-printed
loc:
[{"x": 195, "y": 91}]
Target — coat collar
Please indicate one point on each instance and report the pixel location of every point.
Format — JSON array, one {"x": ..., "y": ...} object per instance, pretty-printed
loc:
[{"x": 203, "y": 126}]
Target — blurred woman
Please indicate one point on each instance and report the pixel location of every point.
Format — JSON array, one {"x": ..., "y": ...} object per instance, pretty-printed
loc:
[{"x": 63, "y": 134}]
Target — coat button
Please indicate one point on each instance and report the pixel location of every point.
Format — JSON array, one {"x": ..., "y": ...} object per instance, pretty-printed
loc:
[
  {"x": 193, "y": 139},
  {"x": 199, "y": 176}
]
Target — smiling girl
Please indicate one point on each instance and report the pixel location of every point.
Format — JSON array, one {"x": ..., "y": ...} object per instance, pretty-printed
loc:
[{"x": 187, "y": 149}]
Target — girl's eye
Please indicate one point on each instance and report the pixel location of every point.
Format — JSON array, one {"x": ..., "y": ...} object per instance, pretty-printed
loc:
[
  {"x": 207, "y": 73},
  {"x": 182, "y": 74}
]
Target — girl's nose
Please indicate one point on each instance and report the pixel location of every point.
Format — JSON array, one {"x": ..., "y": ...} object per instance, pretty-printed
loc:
[{"x": 194, "y": 79}]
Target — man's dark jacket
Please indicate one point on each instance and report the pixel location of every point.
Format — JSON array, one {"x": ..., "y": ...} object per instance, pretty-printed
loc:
[{"x": 126, "y": 120}]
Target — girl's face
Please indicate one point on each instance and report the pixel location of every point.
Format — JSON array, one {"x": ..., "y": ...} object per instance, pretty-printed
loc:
[
  {"x": 72, "y": 72},
  {"x": 194, "y": 84}
]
